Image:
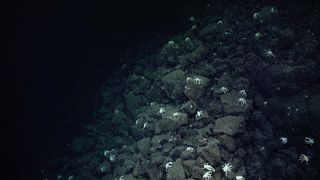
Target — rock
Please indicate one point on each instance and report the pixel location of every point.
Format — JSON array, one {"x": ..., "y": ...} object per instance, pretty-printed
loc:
[
  {"x": 211, "y": 154},
  {"x": 212, "y": 30},
  {"x": 228, "y": 142},
  {"x": 188, "y": 154},
  {"x": 118, "y": 118},
  {"x": 192, "y": 57},
  {"x": 171, "y": 121},
  {"x": 196, "y": 86},
  {"x": 129, "y": 165},
  {"x": 230, "y": 125},
  {"x": 133, "y": 102},
  {"x": 192, "y": 170},
  {"x": 229, "y": 101},
  {"x": 104, "y": 168},
  {"x": 189, "y": 107},
  {"x": 157, "y": 159},
  {"x": 129, "y": 177},
  {"x": 169, "y": 54},
  {"x": 159, "y": 140},
  {"x": 144, "y": 145},
  {"x": 174, "y": 83},
  {"x": 176, "y": 172}
]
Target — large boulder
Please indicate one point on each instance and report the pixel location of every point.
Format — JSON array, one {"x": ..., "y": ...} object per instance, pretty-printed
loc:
[
  {"x": 173, "y": 83},
  {"x": 196, "y": 86},
  {"x": 133, "y": 102},
  {"x": 230, "y": 125},
  {"x": 144, "y": 145},
  {"x": 176, "y": 172},
  {"x": 171, "y": 120}
]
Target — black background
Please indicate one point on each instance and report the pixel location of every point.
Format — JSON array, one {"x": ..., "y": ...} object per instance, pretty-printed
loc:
[{"x": 60, "y": 53}]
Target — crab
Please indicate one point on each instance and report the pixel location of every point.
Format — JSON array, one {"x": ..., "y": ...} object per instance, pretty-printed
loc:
[
  {"x": 255, "y": 15},
  {"x": 257, "y": 35},
  {"x": 189, "y": 149},
  {"x": 187, "y": 39},
  {"x": 207, "y": 175},
  {"x": 243, "y": 92},
  {"x": 268, "y": 53},
  {"x": 111, "y": 155},
  {"x": 176, "y": 114},
  {"x": 145, "y": 125},
  {"x": 171, "y": 42},
  {"x": 162, "y": 110},
  {"x": 227, "y": 167},
  {"x": 208, "y": 167},
  {"x": 283, "y": 140},
  {"x": 199, "y": 114},
  {"x": 223, "y": 90},
  {"x": 197, "y": 81},
  {"x": 71, "y": 177},
  {"x": 120, "y": 178},
  {"x": 309, "y": 140},
  {"x": 304, "y": 158},
  {"x": 168, "y": 166},
  {"x": 241, "y": 101},
  {"x": 240, "y": 178}
]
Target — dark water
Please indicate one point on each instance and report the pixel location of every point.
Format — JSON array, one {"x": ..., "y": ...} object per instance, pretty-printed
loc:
[{"x": 165, "y": 90}]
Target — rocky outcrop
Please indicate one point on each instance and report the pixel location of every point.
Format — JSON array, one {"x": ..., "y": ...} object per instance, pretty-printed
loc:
[{"x": 230, "y": 125}]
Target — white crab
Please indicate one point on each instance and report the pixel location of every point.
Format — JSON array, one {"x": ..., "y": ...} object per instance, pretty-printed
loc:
[
  {"x": 168, "y": 166},
  {"x": 71, "y": 177},
  {"x": 171, "y": 43},
  {"x": 103, "y": 169},
  {"x": 176, "y": 114},
  {"x": 257, "y": 35},
  {"x": 120, "y": 178},
  {"x": 199, "y": 114},
  {"x": 197, "y": 81},
  {"x": 283, "y": 140},
  {"x": 240, "y": 178},
  {"x": 189, "y": 149},
  {"x": 255, "y": 15},
  {"x": 223, "y": 90},
  {"x": 162, "y": 110},
  {"x": 208, "y": 167},
  {"x": 309, "y": 140},
  {"x": 227, "y": 167},
  {"x": 145, "y": 125},
  {"x": 241, "y": 101},
  {"x": 304, "y": 158},
  {"x": 269, "y": 53},
  {"x": 243, "y": 92},
  {"x": 111, "y": 155},
  {"x": 207, "y": 175}
]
